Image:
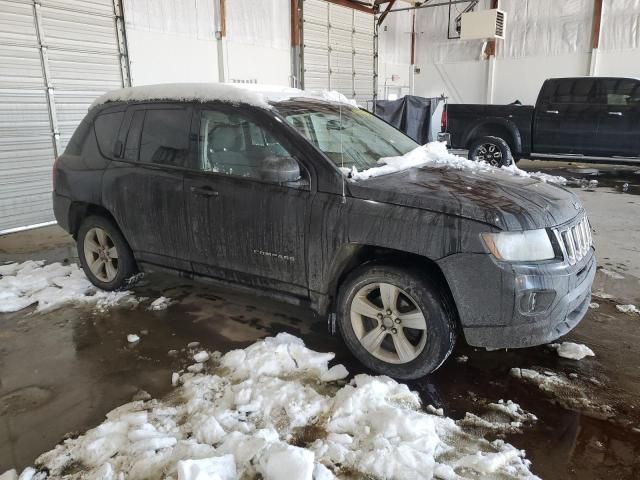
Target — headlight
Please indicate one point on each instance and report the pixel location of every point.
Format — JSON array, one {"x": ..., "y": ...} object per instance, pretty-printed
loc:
[{"x": 530, "y": 245}]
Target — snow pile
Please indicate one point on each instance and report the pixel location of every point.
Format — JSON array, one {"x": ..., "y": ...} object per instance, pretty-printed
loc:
[
  {"x": 435, "y": 154},
  {"x": 198, "y": 92},
  {"x": 133, "y": 338},
  {"x": 269, "y": 411},
  {"x": 335, "y": 96},
  {"x": 632, "y": 309},
  {"x": 504, "y": 417},
  {"x": 50, "y": 286},
  {"x": 160, "y": 303},
  {"x": 574, "y": 351},
  {"x": 594, "y": 305}
]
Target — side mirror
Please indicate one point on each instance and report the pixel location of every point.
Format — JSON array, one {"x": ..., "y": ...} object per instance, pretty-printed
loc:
[{"x": 280, "y": 169}]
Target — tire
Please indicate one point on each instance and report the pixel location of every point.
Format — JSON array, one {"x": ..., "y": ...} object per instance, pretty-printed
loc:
[
  {"x": 493, "y": 150},
  {"x": 430, "y": 347},
  {"x": 116, "y": 252}
]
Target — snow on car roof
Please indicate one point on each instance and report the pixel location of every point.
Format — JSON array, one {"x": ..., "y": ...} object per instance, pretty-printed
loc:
[{"x": 249, "y": 94}]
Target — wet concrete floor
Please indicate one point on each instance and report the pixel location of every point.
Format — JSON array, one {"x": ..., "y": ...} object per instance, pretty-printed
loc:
[{"x": 60, "y": 372}]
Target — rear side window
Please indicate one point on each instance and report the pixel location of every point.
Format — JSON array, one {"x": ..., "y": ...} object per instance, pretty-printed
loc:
[
  {"x": 107, "y": 126},
  {"x": 577, "y": 90},
  {"x": 622, "y": 91},
  {"x": 165, "y": 137}
]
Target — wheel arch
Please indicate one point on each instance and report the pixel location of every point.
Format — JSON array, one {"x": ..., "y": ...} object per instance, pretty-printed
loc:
[
  {"x": 362, "y": 254},
  {"x": 495, "y": 127},
  {"x": 78, "y": 211}
]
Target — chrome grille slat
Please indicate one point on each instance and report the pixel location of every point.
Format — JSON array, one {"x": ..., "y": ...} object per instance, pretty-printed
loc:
[{"x": 575, "y": 240}]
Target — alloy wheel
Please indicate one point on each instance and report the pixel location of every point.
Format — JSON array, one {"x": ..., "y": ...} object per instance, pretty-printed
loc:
[
  {"x": 101, "y": 254},
  {"x": 388, "y": 323},
  {"x": 490, "y": 153}
]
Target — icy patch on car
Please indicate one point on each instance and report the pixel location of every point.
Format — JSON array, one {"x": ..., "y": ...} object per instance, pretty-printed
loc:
[
  {"x": 631, "y": 309},
  {"x": 53, "y": 285},
  {"x": 573, "y": 351},
  {"x": 196, "y": 92},
  {"x": 266, "y": 412},
  {"x": 435, "y": 154}
]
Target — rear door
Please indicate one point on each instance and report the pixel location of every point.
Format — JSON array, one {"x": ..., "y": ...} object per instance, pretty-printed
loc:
[
  {"x": 619, "y": 131},
  {"x": 245, "y": 228},
  {"x": 567, "y": 116},
  {"x": 143, "y": 188}
]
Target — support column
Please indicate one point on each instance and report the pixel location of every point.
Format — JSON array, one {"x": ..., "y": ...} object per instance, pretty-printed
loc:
[
  {"x": 595, "y": 37},
  {"x": 221, "y": 33},
  {"x": 297, "y": 80},
  {"x": 490, "y": 54},
  {"x": 412, "y": 71},
  {"x": 125, "y": 71},
  {"x": 46, "y": 75}
]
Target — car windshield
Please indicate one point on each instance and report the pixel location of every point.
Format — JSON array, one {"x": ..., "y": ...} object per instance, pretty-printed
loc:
[{"x": 349, "y": 136}]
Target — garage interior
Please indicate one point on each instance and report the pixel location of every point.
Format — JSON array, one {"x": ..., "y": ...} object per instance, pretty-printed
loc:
[{"x": 64, "y": 368}]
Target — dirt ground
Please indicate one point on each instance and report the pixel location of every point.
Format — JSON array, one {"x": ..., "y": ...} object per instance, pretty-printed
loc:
[{"x": 62, "y": 371}]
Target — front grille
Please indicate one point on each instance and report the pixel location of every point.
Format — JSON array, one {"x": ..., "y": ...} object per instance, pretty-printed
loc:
[{"x": 575, "y": 240}]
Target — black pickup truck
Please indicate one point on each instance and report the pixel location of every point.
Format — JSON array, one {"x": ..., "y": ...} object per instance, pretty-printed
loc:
[{"x": 586, "y": 118}]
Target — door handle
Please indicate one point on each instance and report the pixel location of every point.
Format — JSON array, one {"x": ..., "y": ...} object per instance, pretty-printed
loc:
[
  {"x": 618, "y": 114},
  {"x": 204, "y": 191},
  {"x": 555, "y": 112}
]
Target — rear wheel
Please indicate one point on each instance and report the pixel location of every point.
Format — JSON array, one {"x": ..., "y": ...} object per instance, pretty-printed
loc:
[
  {"x": 104, "y": 254},
  {"x": 492, "y": 150},
  {"x": 395, "y": 322}
]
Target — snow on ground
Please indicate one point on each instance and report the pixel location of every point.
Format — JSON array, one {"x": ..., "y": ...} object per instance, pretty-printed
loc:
[
  {"x": 632, "y": 309},
  {"x": 160, "y": 303},
  {"x": 275, "y": 410},
  {"x": 436, "y": 154},
  {"x": 572, "y": 394},
  {"x": 594, "y": 305},
  {"x": 503, "y": 417},
  {"x": 50, "y": 286},
  {"x": 133, "y": 338},
  {"x": 611, "y": 273},
  {"x": 574, "y": 351}
]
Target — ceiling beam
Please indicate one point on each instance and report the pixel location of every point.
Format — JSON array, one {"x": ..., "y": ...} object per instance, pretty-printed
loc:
[
  {"x": 356, "y": 5},
  {"x": 386, "y": 12}
]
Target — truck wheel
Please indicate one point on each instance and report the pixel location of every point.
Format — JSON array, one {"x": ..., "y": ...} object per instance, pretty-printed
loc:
[
  {"x": 395, "y": 322},
  {"x": 104, "y": 254},
  {"x": 493, "y": 150}
]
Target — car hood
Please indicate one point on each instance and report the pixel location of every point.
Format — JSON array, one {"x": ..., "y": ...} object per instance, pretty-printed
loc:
[{"x": 501, "y": 199}]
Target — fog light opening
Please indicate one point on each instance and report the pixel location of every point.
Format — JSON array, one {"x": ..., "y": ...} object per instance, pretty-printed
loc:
[{"x": 533, "y": 302}]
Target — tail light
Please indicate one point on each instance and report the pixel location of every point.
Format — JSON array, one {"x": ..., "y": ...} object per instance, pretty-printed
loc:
[{"x": 444, "y": 120}]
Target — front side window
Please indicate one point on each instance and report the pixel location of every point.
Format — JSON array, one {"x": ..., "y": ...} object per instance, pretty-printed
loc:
[
  {"x": 233, "y": 144},
  {"x": 165, "y": 137},
  {"x": 622, "y": 91},
  {"x": 350, "y": 137}
]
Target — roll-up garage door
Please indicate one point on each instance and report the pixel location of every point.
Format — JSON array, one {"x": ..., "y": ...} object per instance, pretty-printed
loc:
[
  {"x": 56, "y": 57},
  {"x": 337, "y": 49}
]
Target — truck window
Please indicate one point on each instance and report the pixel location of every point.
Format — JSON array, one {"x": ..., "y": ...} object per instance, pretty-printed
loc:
[
  {"x": 576, "y": 90},
  {"x": 165, "y": 137},
  {"x": 622, "y": 91}
]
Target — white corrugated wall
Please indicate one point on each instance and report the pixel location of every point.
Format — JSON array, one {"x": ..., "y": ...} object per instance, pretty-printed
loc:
[{"x": 55, "y": 57}]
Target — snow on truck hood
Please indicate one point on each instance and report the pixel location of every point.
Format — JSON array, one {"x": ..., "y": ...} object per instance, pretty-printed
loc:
[{"x": 249, "y": 94}]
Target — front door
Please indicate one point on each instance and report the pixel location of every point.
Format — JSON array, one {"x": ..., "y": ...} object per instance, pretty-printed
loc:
[
  {"x": 144, "y": 186},
  {"x": 566, "y": 117},
  {"x": 248, "y": 221},
  {"x": 619, "y": 131}
]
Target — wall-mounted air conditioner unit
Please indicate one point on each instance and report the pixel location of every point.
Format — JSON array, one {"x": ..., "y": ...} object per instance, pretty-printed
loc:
[{"x": 483, "y": 24}]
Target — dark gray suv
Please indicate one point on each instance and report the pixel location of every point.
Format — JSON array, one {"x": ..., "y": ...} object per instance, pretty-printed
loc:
[{"x": 210, "y": 181}]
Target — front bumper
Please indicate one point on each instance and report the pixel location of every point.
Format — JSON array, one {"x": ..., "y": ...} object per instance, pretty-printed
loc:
[{"x": 489, "y": 297}]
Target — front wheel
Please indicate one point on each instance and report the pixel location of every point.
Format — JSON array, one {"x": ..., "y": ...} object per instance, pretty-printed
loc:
[
  {"x": 492, "y": 150},
  {"x": 104, "y": 253},
  {"x": 395, "y": 322}
]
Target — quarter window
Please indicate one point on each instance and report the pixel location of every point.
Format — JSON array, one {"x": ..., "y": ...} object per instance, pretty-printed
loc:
[
  {"x": 165, "y": 137},
  {"x": 234, "y": 145},
  {"x": 107, "y": 126}
]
